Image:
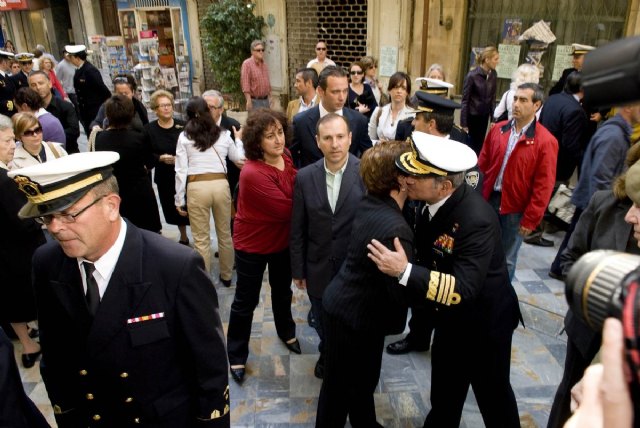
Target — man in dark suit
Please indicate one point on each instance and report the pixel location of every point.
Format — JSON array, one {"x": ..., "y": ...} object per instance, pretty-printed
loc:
[
  {"x": 463, "y": 278},
  {"x": 144, "y": 342},
  {"x": 7, "y": 89},
  {"x": 64, "y": 111},
  {"x": 90, "y": 88},
  {"x": 578, "y": 52},
  {"x": 325, "y": 200},
  {"x": 215, "y": 101},
  {"x": 333, "y": 88}
]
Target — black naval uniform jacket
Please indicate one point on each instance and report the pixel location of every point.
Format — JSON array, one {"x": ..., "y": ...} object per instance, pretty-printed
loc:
[
  {"x": 131, "y": 366},
  {"x": 20, "y": 80},
  {"x": 90, "y": 90},
  {"x": 461, "y": 246},
  {"x": 7, "y": 94}
]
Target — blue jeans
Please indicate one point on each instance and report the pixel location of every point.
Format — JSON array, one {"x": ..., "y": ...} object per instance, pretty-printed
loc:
[{"x": 511, "y": 238}]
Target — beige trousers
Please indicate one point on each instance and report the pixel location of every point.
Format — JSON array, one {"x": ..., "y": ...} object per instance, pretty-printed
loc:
[{"x": 214, "y": 196}]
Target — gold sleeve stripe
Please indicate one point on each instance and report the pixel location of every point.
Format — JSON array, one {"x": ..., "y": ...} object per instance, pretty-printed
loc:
[{"x": 442, "y": 289}]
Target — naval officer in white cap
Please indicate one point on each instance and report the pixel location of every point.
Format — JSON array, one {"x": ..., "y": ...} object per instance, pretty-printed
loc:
[
  {"x": 90, "y": 88},
  {"x": 129, "y": 323},
  {"x": 460, "y": 273}
]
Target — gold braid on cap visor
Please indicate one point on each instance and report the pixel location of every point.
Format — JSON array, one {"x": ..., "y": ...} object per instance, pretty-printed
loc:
[
  {"x": 35, "y": 196},
  {"x": 412, "y": 163}
]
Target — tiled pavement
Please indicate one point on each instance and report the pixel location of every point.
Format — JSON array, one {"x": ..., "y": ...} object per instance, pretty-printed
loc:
[{"x": 281, "y": 391}]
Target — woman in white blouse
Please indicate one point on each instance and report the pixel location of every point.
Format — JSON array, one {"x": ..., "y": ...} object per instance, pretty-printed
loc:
[
  {"x": 384, "y": 120},
  {"x": 201, "y": 184}
]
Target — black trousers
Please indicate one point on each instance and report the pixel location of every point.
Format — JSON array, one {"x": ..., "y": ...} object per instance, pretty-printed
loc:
[
  {"x": 574, "y": 366},
  {"x": 351, "y": 373},
  {"x": 250, "y": 268},
  {"x": 469, "y": 356},
  {"x": 556, "y": 266},
  {"x": 477, "y": 131},
  {"x": 317, "y": 311},
  {"x": 420, "y": 329}
]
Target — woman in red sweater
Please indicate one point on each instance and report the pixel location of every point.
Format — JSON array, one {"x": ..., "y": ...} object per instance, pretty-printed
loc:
[{"x": 261, "y": 234}]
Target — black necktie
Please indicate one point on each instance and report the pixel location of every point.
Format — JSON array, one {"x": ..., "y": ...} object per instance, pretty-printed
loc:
[{"x": 93, "y": 294}]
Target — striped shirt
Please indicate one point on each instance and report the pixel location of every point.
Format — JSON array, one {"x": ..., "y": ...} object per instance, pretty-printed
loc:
[{"x": 254, "y": 78}]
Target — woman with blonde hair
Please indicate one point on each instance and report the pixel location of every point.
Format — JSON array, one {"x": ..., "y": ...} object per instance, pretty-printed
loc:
[
  {"x": 31, "y": 149},
  {"x": 47, "y": 65},
  {"x": 479, "y": 97},
  {"x": 370, "y": 66},
  {"x": 525, "y": 73}
]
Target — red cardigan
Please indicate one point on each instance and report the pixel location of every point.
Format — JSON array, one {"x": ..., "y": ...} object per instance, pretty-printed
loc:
[
  {"x": 263, "y": 220},
  {"x": 530, "y": 173}
]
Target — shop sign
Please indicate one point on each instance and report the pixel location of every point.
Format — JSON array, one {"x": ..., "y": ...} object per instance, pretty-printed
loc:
[{"x": 6, "y": 5}]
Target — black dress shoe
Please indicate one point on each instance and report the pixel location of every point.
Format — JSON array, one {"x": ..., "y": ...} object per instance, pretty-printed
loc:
[
  {"x": 318, "y": 371},
  {"x": 404, "y": 346},
  {"x": 185, "y": 242},
  {"x": 539, "y": 241},
  {"x": 34, "y": 332},
  {"x": 237, "y": 374},
  {"x": 555, "y": 275},
  {"x": 225, "y": 282},
  {"x": 311, "y": 320},
  {"x": 28, "y": 360},
  {"x": 294, "y": 346}
]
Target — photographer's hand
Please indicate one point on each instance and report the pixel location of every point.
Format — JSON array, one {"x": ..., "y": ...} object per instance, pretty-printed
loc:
[{"x": 606, "y": 401}]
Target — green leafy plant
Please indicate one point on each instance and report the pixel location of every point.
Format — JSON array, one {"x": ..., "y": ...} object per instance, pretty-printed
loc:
[{"x": 228, "y": 28}]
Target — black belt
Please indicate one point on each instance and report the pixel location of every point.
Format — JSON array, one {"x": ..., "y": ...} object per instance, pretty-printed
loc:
[{"x": 260, "y": 98}]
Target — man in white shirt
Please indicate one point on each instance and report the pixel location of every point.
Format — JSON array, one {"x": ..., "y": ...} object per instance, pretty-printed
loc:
[
  {"x": 320, "y": 62},
  {"x": 121, "y": 310}
]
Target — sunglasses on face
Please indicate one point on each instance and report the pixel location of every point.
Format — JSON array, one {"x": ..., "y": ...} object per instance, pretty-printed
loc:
[
  {"x": 321, "y": 49},
  {"x": 259, "y": 50},
  {"x": 120, "y": 80},
  {"x": 32, "y": 132},
  {"x": 356, "y": 72}
]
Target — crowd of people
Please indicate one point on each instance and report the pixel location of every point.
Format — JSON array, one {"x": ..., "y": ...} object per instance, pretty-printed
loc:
[{"x": 369, "y": 198}]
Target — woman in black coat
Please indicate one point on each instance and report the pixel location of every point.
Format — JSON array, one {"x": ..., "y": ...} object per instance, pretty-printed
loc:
[
  {"x": 362, "y": 305},
  {"x": 20, "y": 238},
  {"x": 139, "y": 204},
  {"x": 163, "y": 134}
]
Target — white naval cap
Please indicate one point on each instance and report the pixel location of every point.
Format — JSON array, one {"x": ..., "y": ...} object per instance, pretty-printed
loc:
[
  {"x": 57, "y": 184},
  {"x": 434, "y": 86},
  {"x": 433, "y": 155},
  {"x": 6, "y": 54},
  {"x": 74, "y": 49},
  {"x": 578, "y": 49},
  {"x": 24, "y": 57}
]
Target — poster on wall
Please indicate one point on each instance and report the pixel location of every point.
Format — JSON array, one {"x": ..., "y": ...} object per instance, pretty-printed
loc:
[
  {"x": 563, "y": 60},
  {"x": 509, "y": 57},
  {"x": 511, "y": 30},
  {"x": 388, "y": 60}
]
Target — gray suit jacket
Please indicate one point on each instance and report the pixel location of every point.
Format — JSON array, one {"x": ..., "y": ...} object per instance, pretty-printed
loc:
[
  {"x": 601, "y": 227},
  {"x": 304, "y": 148},
  {"x": 319, "y": 237}
]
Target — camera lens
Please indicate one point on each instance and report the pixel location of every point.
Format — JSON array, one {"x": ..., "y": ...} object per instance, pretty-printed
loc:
[{"x": 594, "y": 285}]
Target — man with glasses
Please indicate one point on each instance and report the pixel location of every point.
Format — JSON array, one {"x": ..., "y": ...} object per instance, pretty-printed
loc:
[
  {"x": 91, "y": 91},
  {"x": 215, "y": 101},
  {"x": 130, "y": 330},
  {"x": 320, "y": 61},
  {"x": 254, "y": 78}
]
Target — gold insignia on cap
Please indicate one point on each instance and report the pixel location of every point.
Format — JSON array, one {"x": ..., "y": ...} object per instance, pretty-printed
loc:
[
  {"x": 28, "y": 187},
  {"x": 427, "y": 109},
  {"x": 34, "y": 191},
  {"x": 411, "y": 162}
]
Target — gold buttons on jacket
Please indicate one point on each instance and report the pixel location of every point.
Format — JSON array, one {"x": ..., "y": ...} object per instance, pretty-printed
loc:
[
  {"x": 124, "y": 375},
  {"x": 128, "y": 400},
  {"x": 83, "y": 372},
  {"x": 96, "y": 417},
  {"x": 89, "y": 396}
]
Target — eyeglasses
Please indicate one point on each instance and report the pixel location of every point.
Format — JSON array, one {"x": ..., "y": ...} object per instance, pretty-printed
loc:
[
  {"x": 321, "y": 49},
  {"x": 32, "y": 132},
  {"x": 354, "y": 72},
  {"x": 65, "y": 218},
  {"x": 212, "y": 107},
  {"x": 165, "y": 105},
  {"x": 259, "y": 50}
]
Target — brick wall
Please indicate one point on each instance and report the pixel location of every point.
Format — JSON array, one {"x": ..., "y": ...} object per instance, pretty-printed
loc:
[
  {"x": 342, "y": 24},
  {"x": 209, "y": 81}
]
